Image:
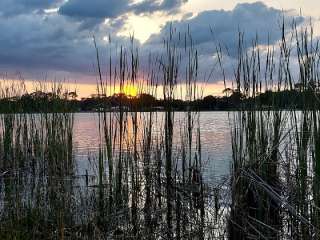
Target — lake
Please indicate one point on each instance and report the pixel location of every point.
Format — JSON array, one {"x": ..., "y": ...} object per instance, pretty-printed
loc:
[{"x": 214, "y": 130}]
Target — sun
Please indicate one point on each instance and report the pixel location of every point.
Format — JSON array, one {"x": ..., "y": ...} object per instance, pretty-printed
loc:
[{"x": 130, "y": 90}]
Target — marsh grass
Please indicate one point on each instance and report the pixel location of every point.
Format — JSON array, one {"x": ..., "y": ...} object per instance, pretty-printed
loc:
[
  {"x": 152, "y": 187},
  {"x": 37, "y": 167},
  {"x": 145, "y": 184},
  {"x": 274, "y": 171}
]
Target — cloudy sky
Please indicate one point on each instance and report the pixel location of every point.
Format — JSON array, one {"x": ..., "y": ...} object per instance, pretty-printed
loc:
[{"x": 52, "y": 39}]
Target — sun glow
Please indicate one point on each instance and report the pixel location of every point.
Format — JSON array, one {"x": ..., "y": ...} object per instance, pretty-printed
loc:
[{"x": 130, "y": 90}]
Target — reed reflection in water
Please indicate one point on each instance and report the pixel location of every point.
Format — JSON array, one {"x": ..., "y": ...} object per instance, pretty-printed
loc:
[{"x": 215, "y": 139}]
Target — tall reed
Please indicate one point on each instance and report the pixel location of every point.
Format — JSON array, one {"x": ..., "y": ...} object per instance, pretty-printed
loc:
[{"x": 275, "y": 149}]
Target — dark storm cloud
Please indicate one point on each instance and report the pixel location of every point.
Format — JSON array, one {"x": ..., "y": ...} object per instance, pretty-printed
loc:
[
  {"x": 101, "y": 9},
  {"x": 16, "y": 7},
  {"x": 254, "y": 20},
  {"x": 92, "y": 13},
  {"x": 41, "y": 43},
  {"x": 212, "y": 29},
  {"x": 94, "y": 8},
  {"x": 56, "y": 43}
]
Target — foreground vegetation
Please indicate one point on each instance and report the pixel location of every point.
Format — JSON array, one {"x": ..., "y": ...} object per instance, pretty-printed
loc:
[
  {"x": 275, "y": 174},
  {"x": 144, "y": 184}
]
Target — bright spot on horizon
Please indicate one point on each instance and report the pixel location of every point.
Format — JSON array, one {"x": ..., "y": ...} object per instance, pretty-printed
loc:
[
  {"x": 130, "y": 90},
  {"x": 87, "y": 90}
]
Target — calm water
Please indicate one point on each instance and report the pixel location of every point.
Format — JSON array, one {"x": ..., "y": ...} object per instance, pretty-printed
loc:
[{"x": 215, "y": 140}]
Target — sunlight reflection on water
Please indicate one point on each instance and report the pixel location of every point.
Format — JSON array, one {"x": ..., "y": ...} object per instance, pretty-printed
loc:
[{"x": 215, "y": 140}]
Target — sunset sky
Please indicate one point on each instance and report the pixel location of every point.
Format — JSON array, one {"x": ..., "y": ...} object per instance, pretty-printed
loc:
[{"x": 52, "y": 39}]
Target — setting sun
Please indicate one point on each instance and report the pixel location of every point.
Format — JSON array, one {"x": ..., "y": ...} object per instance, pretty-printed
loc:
[{"x": 130, "y": 90}]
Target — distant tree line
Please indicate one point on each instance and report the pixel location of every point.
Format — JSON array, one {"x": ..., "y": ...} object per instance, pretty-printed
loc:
[{"x": 48, "y": 102}]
